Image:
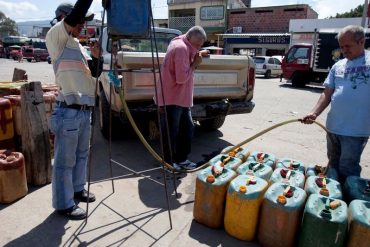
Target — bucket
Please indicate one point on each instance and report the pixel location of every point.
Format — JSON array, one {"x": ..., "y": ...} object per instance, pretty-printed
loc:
[
  {"x": 243, "y": 201},
  {"x": 136, "y": 21},
  {"x": 317, "y": 170},
  {"x": 324, "y": 222},
  {"x": 240, "y": 153},
  {"x": 264, "y": 158},
  {"x": 356, "y": 188},
  {"x": 6, "y": 120},
  {"x": 210, "y": 196},
  {"x": 359, "y": 224},
  {"x": 226, "y": 161},
  {"x": 292, "y": 165},
  {"x": 13, "y": 182},
  {"x": 254, "y": 168},
  {"x": 291, "y": 177},
  {"x": 324, "y": 186},
  {"x": 281, "y": 215}
]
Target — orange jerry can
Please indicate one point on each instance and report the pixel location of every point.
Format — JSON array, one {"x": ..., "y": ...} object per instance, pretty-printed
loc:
[
  {"x": 264, "y": 158},
  {"x": 281, "y": 215},
  {"x": 210, "y": 195},
  {"x": 243, "y": 201},
  {"x": 291, "y": 177},
  {"x": 359, "y": 224},
  {"x": 226, "y": 161},
  {"x": 241, "y": 153},
  {"x": 291, "y": 164},
  {"x": 15, "y": 101},
  {"x": 6, "y": 120},
  {"x": 13, "y": 182}
]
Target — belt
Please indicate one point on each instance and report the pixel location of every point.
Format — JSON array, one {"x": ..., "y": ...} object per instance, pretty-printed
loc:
[{"x": 74, "y": 106}]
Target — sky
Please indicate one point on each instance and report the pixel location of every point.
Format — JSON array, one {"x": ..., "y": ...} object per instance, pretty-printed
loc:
[{"x": 26, "y": 10}]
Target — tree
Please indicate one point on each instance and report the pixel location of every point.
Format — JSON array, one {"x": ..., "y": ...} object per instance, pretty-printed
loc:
[
  {"x": 356, "y": 12},
  {"x": 7, "y": 25}
]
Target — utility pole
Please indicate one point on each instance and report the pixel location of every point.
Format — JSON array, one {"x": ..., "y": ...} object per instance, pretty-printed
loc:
[{"x": 364, "y": 14}]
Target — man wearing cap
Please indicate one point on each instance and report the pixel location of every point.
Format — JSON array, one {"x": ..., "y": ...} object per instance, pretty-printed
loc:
[{"x": 71, "y": 119}]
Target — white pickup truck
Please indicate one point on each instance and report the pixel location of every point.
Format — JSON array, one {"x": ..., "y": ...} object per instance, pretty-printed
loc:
[{"x": 223, "y": 84}]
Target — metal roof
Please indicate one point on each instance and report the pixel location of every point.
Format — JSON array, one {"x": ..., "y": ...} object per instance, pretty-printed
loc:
[{"x": 246, "y": 35}]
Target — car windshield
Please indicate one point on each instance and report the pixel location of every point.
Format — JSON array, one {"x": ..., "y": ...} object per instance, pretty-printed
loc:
[
  {"x": 259, "y": 60},
  {"x": 144, "y": 45}
]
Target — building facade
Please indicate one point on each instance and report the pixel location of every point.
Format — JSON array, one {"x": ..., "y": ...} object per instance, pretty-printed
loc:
[
  {"x": 210, "y": 14},
  {"x": 262, "y": 31}
]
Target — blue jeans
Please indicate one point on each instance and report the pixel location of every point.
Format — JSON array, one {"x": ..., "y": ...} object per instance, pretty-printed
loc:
[
  {"x": 344, "y": 153},
  {"x": 181, "y": 129},
  {"x": 71, "y": 150}
]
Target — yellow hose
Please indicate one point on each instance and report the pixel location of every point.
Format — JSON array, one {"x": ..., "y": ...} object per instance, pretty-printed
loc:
[{"x": 169, "y": 166}]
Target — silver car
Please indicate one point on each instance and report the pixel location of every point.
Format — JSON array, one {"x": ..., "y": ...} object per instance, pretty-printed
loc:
[{"x": 267, "y": 66}]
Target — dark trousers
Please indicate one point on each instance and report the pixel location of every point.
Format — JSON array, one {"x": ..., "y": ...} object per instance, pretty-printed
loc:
[{"x": 181, "y": 129}]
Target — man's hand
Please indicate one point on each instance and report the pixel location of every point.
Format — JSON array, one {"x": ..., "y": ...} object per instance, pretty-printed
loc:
[
  {"x": 204, "y": 53},
  {"x": 309, "y": 118},
  {"x": 197, "y": 60}
]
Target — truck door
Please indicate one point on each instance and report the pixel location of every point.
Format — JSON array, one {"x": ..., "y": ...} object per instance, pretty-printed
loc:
[{"x": 297, "y": 59}]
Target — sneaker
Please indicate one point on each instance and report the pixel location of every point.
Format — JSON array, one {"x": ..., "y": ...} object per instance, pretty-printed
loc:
[
  {"x": 185, "y": 165},
  {"x": 83, "y": 196},
  {"x": 73, "y": 213}
]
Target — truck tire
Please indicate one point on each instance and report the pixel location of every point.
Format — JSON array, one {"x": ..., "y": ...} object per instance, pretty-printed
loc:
[
  {"x": 299, "y": 80},
  {"x": 212, "y": 123},
  {"x": 268, "y": 74},
  {"x": 104, "y": 117},
  {"x": 29, "y": 60}
]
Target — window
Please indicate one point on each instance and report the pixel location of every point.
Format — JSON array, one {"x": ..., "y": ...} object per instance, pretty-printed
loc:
[
  {"x": 295, "y": 53},
  {"x": 277, "y": 61},
  {"x": 212, "y": 12},
  {"x": 271, "y": 61}
]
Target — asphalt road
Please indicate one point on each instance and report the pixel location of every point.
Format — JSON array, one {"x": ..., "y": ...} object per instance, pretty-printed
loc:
[{"x": 135, "y": 214}]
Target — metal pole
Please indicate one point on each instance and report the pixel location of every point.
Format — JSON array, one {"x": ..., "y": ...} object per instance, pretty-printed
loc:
[{"x": 364, "y": 14}]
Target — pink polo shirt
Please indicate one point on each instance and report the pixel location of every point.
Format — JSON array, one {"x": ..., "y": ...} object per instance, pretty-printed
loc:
[{"x": 177, "y": 76}]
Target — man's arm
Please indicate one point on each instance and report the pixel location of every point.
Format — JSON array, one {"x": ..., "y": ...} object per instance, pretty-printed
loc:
[
  {"x": 183, "y": 68},
  {"x": 320, "y": 106}
]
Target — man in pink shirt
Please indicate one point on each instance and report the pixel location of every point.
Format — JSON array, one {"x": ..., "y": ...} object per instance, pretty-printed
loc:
[{"x": 175, "y": 93}]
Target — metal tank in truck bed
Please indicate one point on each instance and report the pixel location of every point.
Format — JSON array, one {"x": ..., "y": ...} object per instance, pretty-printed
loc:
[{"x": 223, "y": 84}]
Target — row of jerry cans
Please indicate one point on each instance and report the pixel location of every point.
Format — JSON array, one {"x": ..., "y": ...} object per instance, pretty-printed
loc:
[
  {"x": 240, "y": 213},
  {"x": 287, "y": 171}
]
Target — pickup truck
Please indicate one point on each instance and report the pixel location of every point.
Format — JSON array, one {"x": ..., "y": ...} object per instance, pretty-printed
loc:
[{"x": 224, "y": 84}]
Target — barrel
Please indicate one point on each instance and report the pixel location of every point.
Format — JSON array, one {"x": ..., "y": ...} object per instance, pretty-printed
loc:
[
  {"x": 291, "y": 177},
  {"x": 291, "y": 164},
  {"x": 356, "y": 188},
  {"x": 265, "y": 158},
  {"x": 243, "y": 201},
  {"x": 241, "y": 153},
  {"x": 324, "y": 186},
  {"x": 226, "y": 161},
  {"x": 210, "y": 196},
  {"x": 13, "y": 182},
  {"x": 324, "y": 222},
  {"x": 6, "y": 120},
  {"x": 316, "y": 170},
  {"x": 359, "y": 224},
  {"x": 256, "y": 169},
  {"x": 281, "y": 215}
]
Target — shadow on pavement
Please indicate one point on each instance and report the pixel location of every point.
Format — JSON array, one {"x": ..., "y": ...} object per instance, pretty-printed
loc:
[
  {"x": 48, "y": 233},
  {"x": 313, "y": 88},
  {"x": 202, "y": 234}
]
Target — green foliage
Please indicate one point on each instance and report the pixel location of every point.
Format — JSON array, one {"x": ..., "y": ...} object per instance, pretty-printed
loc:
[
  {"x": 7, "y": 26},
  {"x": 356, "y": 12}
]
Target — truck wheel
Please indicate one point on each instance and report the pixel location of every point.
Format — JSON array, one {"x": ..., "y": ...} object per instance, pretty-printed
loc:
[
  {"x": 298, "y": 80},
  {"x": 29, "y": 60},
  {"x": 104, "y": 117},
  {"x": 268, "y": 74},
  {"x": 212, "y": 123}
]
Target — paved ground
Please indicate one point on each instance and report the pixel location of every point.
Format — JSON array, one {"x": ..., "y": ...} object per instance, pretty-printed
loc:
[{"x": 135, "y": 214}]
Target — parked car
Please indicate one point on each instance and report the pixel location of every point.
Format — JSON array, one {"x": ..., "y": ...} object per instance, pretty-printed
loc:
[
  {"x": 36, "y": 54},
  {"x": 267, "y": 66}
]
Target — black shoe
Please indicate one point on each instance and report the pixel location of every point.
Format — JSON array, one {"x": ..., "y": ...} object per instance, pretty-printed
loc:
[
  {"x": 73, "y": 213},
  {"x": 83, "y": 197}
]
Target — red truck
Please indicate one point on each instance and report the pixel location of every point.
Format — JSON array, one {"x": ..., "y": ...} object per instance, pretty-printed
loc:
[{"x": 305, "y": 63}]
